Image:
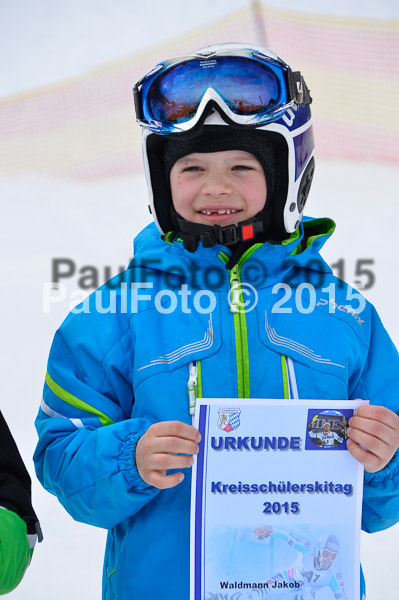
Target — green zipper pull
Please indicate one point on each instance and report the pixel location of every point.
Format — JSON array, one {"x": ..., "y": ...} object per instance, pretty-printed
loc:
[{"x": 235, "y": 283}]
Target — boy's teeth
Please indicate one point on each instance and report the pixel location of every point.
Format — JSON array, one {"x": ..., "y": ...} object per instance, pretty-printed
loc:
[{"x": 218, "y": 212}]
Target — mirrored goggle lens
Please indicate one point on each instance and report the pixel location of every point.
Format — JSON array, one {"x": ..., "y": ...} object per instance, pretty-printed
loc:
[{"x": 246, "y": 86}]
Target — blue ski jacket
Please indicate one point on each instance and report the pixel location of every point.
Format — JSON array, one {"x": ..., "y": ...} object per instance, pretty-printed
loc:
[{"x": 122, "y": 360}]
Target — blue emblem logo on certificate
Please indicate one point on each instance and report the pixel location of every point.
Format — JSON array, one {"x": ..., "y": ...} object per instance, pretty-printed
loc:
[
  {"x": 276, "y": 501},
  {"x": 229, "y": 418}
]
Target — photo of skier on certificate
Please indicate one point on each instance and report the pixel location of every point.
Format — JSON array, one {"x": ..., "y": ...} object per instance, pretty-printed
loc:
[
  {"x": 326, "y": 437},
  {"x": 313, "y": 572}
]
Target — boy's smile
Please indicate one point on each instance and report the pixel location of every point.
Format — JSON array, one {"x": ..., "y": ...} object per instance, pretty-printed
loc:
[{"x": 218, "y": 187}]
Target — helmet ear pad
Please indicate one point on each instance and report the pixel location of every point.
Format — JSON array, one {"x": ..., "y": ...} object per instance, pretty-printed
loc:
[
  {"x": 162, "y": 197},
  {"x": 276, "y": 201},
  {"x": 270, "y": 148},
  {"x": 306, "y": 182}
]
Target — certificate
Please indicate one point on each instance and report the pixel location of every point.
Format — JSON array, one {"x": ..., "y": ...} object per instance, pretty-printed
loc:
[{"x": 276, "y": 501}]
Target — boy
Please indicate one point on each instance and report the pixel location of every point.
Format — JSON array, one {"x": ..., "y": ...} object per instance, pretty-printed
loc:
[{"x": 228, "y": 152}]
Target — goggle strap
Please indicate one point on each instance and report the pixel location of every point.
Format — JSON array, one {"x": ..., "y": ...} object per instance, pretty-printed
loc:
[
  {"x": 137, "y": 101},
  {"x": 301, "y": 90}
]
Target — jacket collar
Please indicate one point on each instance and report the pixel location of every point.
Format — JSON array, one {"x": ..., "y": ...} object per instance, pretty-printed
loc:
[{"x": 264, "y": 264}]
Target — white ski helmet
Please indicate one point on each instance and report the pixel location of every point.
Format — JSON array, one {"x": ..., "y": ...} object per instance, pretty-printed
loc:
[{"x": 234, "y": 86}]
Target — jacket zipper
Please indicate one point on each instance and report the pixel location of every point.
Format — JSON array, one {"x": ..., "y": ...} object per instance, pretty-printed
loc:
[
  {"x": 289, "y": 378},
  {"x": 194, "y": 384},
  {"x": 240, "y": 333},
  {"x": 240, "y": 322}
]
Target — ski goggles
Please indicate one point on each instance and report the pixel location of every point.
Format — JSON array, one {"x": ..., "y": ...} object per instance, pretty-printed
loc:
[
  {"x": 250, "y": 88},
  {"x": 327, "y": 554}
]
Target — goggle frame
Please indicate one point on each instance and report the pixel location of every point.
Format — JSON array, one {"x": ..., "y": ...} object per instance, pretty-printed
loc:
[{"x": 295, "y": 89}]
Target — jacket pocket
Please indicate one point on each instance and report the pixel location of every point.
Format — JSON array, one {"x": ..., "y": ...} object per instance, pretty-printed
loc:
[{"x": 164, "y": 343}]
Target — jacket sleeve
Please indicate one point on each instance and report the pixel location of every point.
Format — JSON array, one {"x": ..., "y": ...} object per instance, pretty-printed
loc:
[
  {"x": 87, "y": 440},
  {"x": 19, "y": 526},
  {"x": 379, "y": 383},
  {"x": 15, "y": 482}
]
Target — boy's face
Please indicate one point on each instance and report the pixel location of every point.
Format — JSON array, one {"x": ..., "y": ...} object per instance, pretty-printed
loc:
[{"x": 218, "y": 187}]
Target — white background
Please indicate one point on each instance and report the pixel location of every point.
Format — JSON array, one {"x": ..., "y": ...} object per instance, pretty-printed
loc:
[
  {"x": 45, "y": 41},
  {"x": 94, "y": 223}
]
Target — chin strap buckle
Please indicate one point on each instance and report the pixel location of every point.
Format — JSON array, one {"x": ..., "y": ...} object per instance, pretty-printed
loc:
[
  {"x": 220, "y": 235},
  {"x": 211, "y": 235},
  {"x": 249, "y": 231},
  {"x": 231, "y": 234}
]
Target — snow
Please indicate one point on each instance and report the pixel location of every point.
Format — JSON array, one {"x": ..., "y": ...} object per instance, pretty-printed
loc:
[{"x": 93, "y": 223}]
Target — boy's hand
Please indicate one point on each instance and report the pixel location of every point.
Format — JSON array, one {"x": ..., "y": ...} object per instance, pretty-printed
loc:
[
  {"x": 166, "y": 445},
  {"x": 374, "y": 436}
]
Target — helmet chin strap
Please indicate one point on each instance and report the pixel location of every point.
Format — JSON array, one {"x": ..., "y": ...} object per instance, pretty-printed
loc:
[{"x": 210, "y": 235}]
